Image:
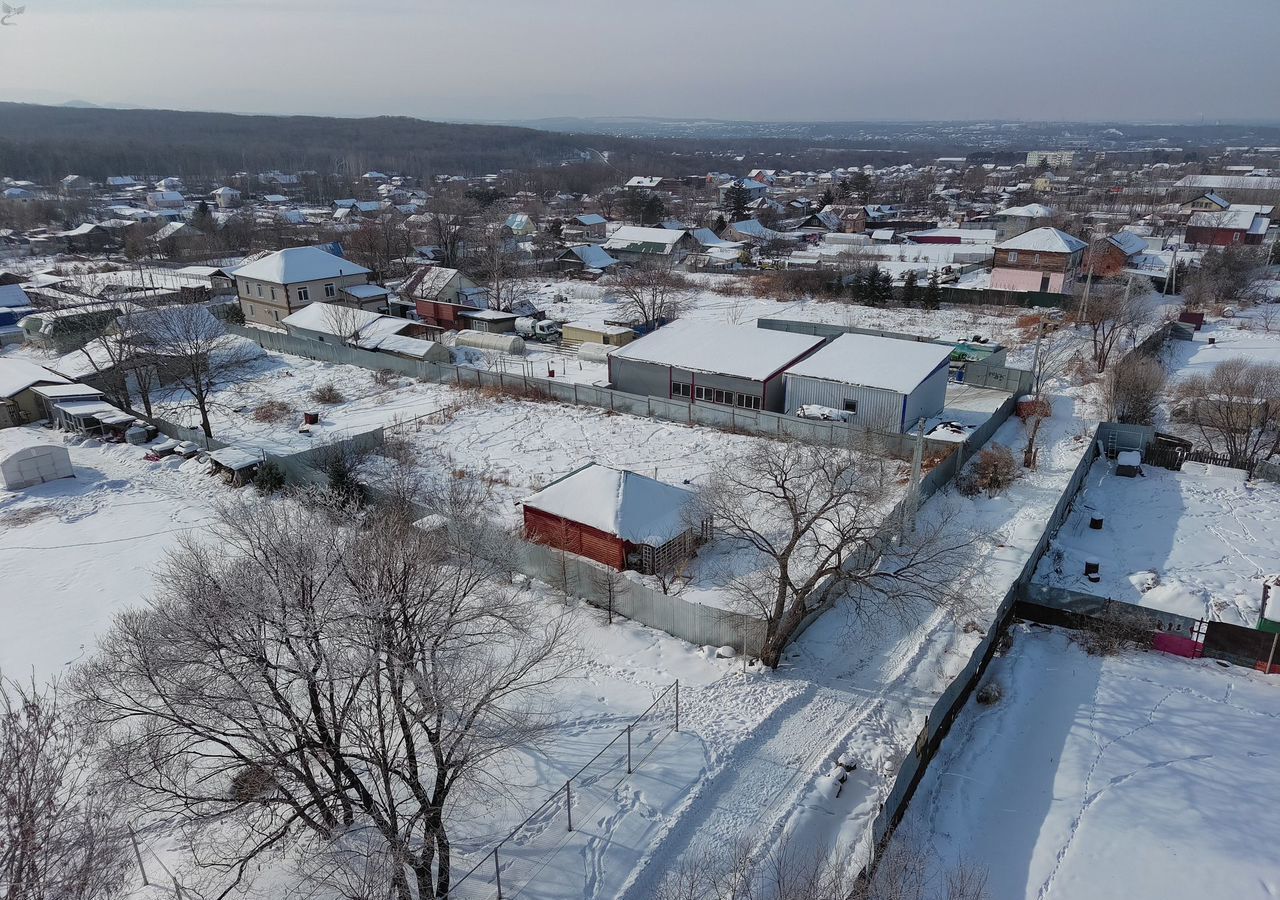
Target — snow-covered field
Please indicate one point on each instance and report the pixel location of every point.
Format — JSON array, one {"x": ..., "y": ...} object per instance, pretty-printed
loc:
[
  {"x": 1253, "y": 334},
  {"x": 1195, "y": 542},
  {"x": 76, "y": 551},
  {"x": 1133, "y": 776}
]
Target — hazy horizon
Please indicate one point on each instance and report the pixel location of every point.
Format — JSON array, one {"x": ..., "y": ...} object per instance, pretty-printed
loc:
[{"x": 823, "y": 60}]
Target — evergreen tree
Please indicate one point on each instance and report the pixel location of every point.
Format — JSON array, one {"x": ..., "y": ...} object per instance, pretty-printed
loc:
[
  {"x": 828, "y": 198},
  {"x": 633, "y": 206},
  {"x": 719, "y": 225},
  {"x": 736, "y": 199},
  {"x": 202, "y": 218},
  {"x": 654, "y": 210},
  {"x": 910, "y": 291},
  {"x": 932, "y": 292},
  {"x": 873, "y": 288}
]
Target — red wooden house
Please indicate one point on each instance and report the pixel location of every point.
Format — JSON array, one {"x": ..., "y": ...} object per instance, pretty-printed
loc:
[{"x": 615, "y": 517}]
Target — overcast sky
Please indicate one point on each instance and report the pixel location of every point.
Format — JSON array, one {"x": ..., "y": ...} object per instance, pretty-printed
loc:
[{"x": 729, "y": 59}]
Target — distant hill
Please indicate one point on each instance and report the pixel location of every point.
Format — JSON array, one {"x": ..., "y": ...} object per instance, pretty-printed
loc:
[{"x": 44, "y": 143}]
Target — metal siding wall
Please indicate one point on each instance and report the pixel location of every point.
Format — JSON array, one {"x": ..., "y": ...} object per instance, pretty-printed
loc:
[
  {"x": 635, "y": 377},
  {"x": 881, "y": 410},
  {"x": 929, "y": 398}
]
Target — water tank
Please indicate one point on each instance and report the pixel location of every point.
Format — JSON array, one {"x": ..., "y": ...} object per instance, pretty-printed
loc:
[
  {"x": 479, "y": 340},
  {"x": 595, "y": 353}
]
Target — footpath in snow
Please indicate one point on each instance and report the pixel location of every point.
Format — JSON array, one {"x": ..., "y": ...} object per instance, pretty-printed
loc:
[{"x": 1138, "y": 775}]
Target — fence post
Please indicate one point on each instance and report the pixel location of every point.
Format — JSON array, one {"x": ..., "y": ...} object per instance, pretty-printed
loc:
[
  {"x": 568, "y": 802},
  {"x": 677, "y": 705},
  {"x": 497, "y": 872},
  {"x": 629, "y": 740},
  {"x": 133, "y": 837}
]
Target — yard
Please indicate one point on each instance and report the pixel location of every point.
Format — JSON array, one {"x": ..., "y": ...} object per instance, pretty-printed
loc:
[
  {"x": 1138, "y": 775},
  {"x": 1194, "y": 542}
]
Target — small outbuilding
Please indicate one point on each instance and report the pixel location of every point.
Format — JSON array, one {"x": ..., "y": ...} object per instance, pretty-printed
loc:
[
  {"x": 35, "y": 465},
  {"x": 621, "y": 519},
  {"x": 879, "y": 383}
]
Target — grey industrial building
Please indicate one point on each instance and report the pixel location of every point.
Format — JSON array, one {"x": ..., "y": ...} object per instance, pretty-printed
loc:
[
  {"x": 878, "y": 383},
  {"x": 724, "y": 365}
]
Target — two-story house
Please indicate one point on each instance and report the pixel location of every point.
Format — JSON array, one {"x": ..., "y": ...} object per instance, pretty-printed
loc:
[
  {"x": 1043, "y": 259},
  {"x": 279, "y": 283}
]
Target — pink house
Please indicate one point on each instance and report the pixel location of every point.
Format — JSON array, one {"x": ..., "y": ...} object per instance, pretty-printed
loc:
[{"x": 1040, "y": 260}]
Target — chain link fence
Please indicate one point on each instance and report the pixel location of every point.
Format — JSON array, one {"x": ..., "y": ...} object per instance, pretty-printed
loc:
[{"x": 522, "y": 857}]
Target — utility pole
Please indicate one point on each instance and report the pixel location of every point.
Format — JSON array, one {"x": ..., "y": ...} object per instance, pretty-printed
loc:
[{"x": 911, "y": 501}]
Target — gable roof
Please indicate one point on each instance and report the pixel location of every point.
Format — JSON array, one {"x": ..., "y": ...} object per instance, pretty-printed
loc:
[
  {"x": 297, "y": 264},
  {"x": 736, "y": 350},
  {"x": 16, "y": 375},
  {"x": 1128, "y": 243},
  {"x": 638, "y": 239},
  {"x": 868, "y": 360},
  {"x": 590, "y": 255},
  {"x": 634, "y": 507},
  {"x": 1230, "y": 219},
  {"x": 1043, "y": 240},
  {"x": 590, "y": 219},
  {"x": 1030, "y": 211}
]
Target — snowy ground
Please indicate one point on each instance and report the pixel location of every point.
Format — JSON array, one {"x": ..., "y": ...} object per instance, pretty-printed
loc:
[
  {"x": 76, "y": 551},
  {"x": 1194, "y": 542},
  {"x": 1253, "y": 333},
  {"x": 1138, "y": 775}
]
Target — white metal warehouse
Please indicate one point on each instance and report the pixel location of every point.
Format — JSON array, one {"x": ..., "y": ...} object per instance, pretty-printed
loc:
[{"x": 875, "y": 382}]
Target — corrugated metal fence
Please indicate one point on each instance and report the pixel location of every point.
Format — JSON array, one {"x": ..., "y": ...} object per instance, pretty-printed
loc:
[
  {"x": 670, "y": 410},
  {"x": 604, "y": 588}
]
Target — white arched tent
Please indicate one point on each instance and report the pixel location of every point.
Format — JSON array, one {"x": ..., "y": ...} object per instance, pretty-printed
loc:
[{"x": 35, "y": 465}]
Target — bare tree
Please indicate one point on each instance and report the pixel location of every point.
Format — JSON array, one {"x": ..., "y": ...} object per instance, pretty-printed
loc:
[
  {"x": 1236, "y": 408},
  {"x": 502, "y": 270},
  {"x": 1133, "y": 389},
  {"x": 326, "y": 682},
  {"x": 199, "y": 353},
  {"x": 449, "y": 227},
  {"x": 1114, "y": 312},
  {"x": 813, "y": 519},
  {"x": 652, "y": 294},
  {"x": 61, "y": 834}
]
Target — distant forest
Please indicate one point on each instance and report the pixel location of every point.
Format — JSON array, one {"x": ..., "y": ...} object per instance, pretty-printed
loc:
[{"x": 44, "y": 143}]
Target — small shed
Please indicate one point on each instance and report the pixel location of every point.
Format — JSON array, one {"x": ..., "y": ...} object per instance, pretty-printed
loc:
[
  {"x": 35, "y": 465},
  {"x": 237, "y": 467},
  {"x": 593, "y": 333},
  {"x": 489, "y": 321},
  {"x": 877, "y": 382},
  {"x": 621, "y": 519}
]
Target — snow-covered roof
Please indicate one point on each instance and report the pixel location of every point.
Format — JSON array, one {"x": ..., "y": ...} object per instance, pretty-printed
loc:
[
  {"x": 634, "y": 507},
  {"x": 644, "y": 181},
  {"x": 590, "y": 219},
  {"x": 1232, "y": 219},
  {"x": 1229, "y": 182},
  {"x": 876, "y": 362},
  {"x": 1030, "y": 211},
  {"x": 234, "y": 458},
  {"x": 365, "y": 291},
  {"x": 12, "y": 296},
  {"x": 1128, "y": 243},
  {"x": 343, "y": 321},
  {"x": 636, "y": 237},
  {"x": 428, "y": 281},
  {"x": 1043, "y": 240},
  {"x": 737, "y": 350},
  {"x": 16, "y": 375},
  {"x": 708, "y": 238},
  {"x": 592, "y": 256},
  {"x": 298, "y": 264}
]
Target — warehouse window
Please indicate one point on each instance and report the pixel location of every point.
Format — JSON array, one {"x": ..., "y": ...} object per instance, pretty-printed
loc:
[
  {"x": 681, "y": 389},
  {"x": 851, "y": 407},
  {"x": 747, "y": 401}
]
